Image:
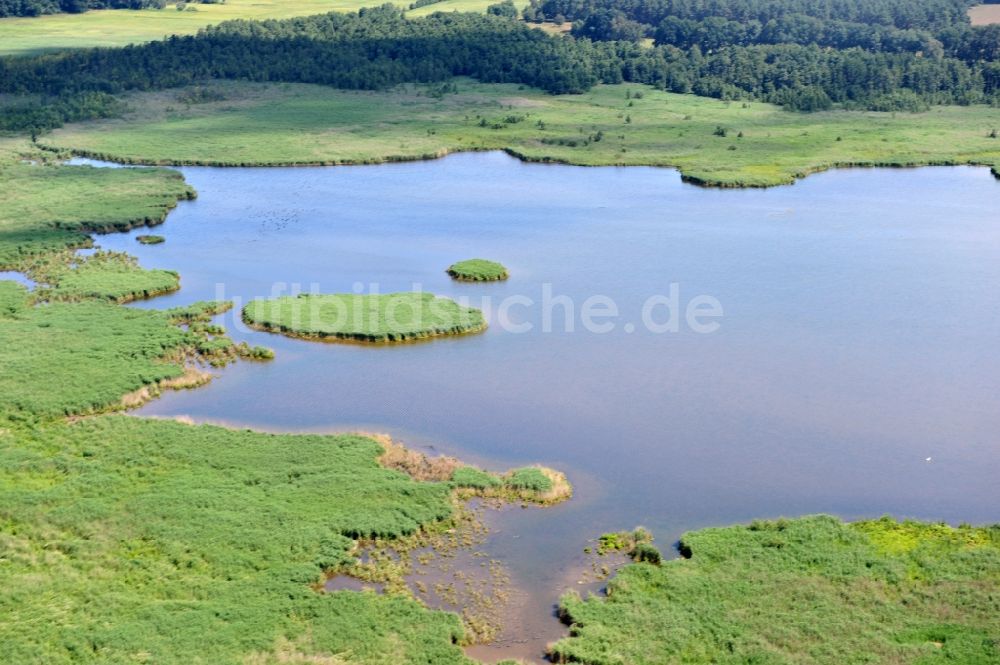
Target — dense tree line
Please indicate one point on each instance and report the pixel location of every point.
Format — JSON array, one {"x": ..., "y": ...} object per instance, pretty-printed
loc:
[
  {"x": 39, "y": 7},
  {"x": 902, "y": 14},
  {"x": 379, "y": 48},
  {"x": 38, "y": 115},
  {"x": 372, "y": 49},
  {"x": 929, "y": 28}
]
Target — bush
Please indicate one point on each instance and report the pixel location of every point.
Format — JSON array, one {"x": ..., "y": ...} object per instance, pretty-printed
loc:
[
  {"x": 473, "y": 478},
  {"x": 647, "y": 553},
  {"x": 529, "y": 478},
  {"x": 506, "y": 9}
]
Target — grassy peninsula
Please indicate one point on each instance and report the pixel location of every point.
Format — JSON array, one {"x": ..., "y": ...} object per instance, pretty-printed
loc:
[
  {"x": 52, "y": 206},
  {"x": 110, "y": 275},
  {"x": 810, "y": 590},
  {"x": 478, "y": 270},
  {"x": 712, "y": 142},
  {"x": 127, "y": 536},
  {"x": 378, "y": 318}
]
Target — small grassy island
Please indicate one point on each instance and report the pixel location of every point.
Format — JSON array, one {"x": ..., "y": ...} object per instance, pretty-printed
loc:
[
  {"x": 478, "y": 270},
  {"x": 150, "y": 240},
  {"x": 376, "y": 318}
]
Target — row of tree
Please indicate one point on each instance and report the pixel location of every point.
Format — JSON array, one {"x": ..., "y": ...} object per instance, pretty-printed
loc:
[
  {"x": 379, "y": 48},
  {"x": 39, "y": 7}
]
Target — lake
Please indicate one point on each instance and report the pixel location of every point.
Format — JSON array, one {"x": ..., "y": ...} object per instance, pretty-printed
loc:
[{"x": 855, "y": 369}]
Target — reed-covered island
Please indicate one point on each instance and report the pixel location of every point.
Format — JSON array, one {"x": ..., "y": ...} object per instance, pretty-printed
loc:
[{"x": 478, "y": 270}]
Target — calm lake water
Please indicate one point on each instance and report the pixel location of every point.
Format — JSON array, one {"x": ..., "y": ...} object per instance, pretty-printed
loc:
[{"x": 856, "y": 370}]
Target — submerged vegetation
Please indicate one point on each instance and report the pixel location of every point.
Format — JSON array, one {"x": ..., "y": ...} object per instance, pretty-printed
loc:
[
  {"x": 810, "y": 590},
  {"x": 478, "y": 270},
  {"x": 376, "y": 318},
  {"x": 304, "y": 124}
]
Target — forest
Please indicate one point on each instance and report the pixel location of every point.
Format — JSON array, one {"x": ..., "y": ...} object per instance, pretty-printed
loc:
[
  {"x": 875, "y": 54},
  {"x": 40, "y": 7}
]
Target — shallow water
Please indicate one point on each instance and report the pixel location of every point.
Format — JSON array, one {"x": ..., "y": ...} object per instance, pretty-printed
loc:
[
  {"x": 859, "y": 338},
  {"x": 19, "y": 277}
]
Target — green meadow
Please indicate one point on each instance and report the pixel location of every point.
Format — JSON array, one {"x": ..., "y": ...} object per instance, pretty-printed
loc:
[
  {"x": 389, "y": 317},
  {"x": 710, "y": 141},
  {"x": 810, "y": 590},
  {"x": 118, "y": 27}
]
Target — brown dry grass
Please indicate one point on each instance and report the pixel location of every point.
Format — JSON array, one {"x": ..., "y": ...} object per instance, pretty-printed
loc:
[
  {"x": 561, "y": 488},
  {"x": 415, "y": 464},
  {"x": 191, "y": 378},
  {"x": 985, "y": 14}
]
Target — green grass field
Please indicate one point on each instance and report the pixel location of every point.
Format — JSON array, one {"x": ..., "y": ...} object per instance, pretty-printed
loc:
[
  {"x": 382, "y": 318},
  {"x": 710, "y": 141},
  {"x": 118, "y": 27},
  {"x": 478, "y": 270},
  {"x": 812, "y": 590}
]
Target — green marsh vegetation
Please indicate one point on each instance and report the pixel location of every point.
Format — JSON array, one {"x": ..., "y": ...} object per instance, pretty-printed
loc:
[
  {"x": 67, "y": 358},
  {"x": 809, "y": 590},
  {"x": 150, "y": 239},
  {"x": 376, "y": 318},
  {"x": 113, "y": 276},
  {"x": 126, "y": 536},
  {"x": 49, "y": 206},
  {"x": 478, "y": 270},
  {"x": 264, "y": 124},
  {"x": 399, "y": 564}
]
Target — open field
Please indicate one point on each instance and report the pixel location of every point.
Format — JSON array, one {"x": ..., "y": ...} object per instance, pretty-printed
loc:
[
  {"x": 985, "y": 14},
  {"x": 812, "y": 590},
  {"x": 389, "y": 317},
  {"x": 711, "y": 142},
  {"x": 118, "y": 27}
]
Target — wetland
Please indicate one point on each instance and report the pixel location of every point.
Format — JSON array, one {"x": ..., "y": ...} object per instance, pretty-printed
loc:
[{"x": 853, "y": 371}]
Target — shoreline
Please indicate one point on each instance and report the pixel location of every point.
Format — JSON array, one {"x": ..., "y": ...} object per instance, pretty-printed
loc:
[{"x": 691, "y": 179}]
